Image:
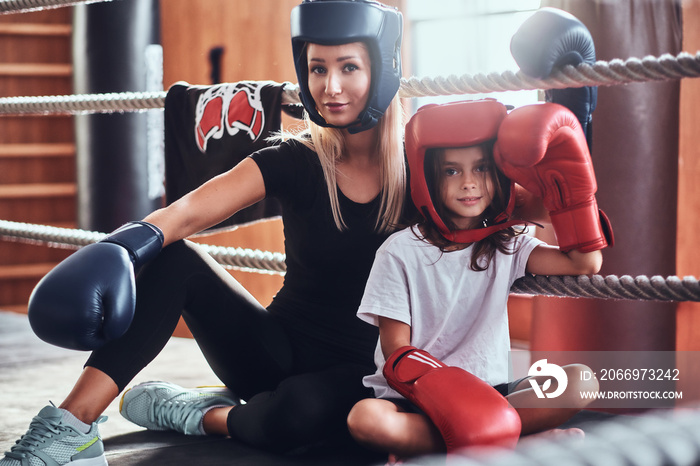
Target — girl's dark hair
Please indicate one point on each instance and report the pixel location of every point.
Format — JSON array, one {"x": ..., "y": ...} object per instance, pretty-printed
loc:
[{"x": 485, "y": 249}]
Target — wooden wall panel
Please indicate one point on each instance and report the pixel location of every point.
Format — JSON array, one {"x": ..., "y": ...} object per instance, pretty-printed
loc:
[
  {"x": 34, "y": 206},
  {"x": 36, "y": 152},
  {"x": 35, "y": 43},
  {"x": 24, "y": 82},
  {"x": 37, "y": 170},
  {"x": 16, "y": 252},
  {"x": 254, "y": 34},
  {"x": 688, "y": 256},
  {"x": 35, "y": 129},
  {"x": 48, "y": 16}
]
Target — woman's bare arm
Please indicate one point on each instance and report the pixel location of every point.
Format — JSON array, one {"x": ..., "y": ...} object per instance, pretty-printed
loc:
[{"x": 211, "y": 203}]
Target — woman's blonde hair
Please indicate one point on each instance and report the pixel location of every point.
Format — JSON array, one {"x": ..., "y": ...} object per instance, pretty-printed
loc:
[{"x": 329, "y": 144}]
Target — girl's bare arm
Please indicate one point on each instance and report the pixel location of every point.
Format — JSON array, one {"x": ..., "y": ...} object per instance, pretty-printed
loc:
[
  {"x": 549, "y": 260},
  {"x": 393, "y": 334}
]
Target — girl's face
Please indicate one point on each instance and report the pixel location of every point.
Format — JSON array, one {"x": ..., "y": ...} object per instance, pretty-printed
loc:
[
  {"x": 339, "y": 80},
  {"x": 466, "y": 185}
]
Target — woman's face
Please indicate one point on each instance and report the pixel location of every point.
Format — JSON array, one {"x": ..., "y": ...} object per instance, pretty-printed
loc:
[
  {"x": 466, "y": 185},
  {"x": 339, "y": 80}
]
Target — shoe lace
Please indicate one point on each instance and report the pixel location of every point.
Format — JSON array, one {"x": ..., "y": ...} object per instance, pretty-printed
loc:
[
  {"x": 40, "y": 429},
  {"x": 172, "y": 414}
]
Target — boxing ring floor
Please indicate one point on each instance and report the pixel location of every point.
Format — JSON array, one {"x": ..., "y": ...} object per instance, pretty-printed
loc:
[{"x": 33, "y": 372}]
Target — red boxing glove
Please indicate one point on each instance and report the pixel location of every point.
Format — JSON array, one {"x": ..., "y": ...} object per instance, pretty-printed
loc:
[
  {"x": 542, "y": 148},
  {"x": 466, "y": 410}
]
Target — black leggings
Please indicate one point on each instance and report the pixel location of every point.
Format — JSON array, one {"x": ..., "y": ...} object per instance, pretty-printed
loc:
[{"x": 246, "y": 346}]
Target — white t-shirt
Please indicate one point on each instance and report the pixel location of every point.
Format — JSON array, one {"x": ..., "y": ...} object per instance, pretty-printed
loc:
[{"x": 456, "y": 314}]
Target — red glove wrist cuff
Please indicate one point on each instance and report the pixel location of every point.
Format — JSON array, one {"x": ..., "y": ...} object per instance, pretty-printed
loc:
[{"x": 583, "y": 227}]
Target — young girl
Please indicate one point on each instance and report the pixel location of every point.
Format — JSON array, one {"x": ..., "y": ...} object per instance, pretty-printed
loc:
[
  {"x": 299, "y": 363},
  {"x": 442, "y": 285}
]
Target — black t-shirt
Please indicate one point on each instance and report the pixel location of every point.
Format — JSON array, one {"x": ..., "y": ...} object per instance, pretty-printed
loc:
[{"x": 326, "y": 268}]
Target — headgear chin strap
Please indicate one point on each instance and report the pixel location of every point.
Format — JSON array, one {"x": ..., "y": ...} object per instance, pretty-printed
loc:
[
  {"x": 452, "y": 125},
  {"x": 336, "y": 22}
]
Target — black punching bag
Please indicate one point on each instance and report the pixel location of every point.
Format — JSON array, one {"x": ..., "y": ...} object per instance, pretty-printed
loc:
[
  {"x": 635, "y": 155},
  {"x": 116, "y": 48}
]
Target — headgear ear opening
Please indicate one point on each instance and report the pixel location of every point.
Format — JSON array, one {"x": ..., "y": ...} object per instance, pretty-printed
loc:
[
  {"x": 336, "y": 22},
  {"x": 453, "y": 125}
]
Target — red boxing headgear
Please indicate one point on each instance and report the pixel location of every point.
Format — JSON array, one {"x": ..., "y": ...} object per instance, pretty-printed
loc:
[{"x": 452, "y": 125}]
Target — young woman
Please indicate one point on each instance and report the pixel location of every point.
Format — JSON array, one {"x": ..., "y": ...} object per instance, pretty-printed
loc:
[
  {"x": 441, "y": 286},
  {"x": 299, "y": 363}
]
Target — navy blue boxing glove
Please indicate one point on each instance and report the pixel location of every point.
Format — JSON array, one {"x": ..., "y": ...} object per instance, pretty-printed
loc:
[
  {"x": 89, "y": 298},
  {"x": 549, "y": 40}
]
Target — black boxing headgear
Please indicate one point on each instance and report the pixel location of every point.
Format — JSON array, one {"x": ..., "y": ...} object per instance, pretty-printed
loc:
[
  {"x": 336, "y": 22},
  {"x": 453, "y": 125}
]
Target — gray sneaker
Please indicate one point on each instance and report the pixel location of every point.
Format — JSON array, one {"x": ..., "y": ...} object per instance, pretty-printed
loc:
[
  {"x": 51, "y": 442},
  {"x": 166, "y": 406}
]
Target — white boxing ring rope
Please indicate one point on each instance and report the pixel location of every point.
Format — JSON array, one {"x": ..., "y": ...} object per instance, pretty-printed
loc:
[
  {"x": 252, "y": 260},
  {"x": 24, "y": 6},
  {"x": 665, "y": 67},
  {"x": 601, "y": 73},
  {"x": 655, "y": 288}
]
